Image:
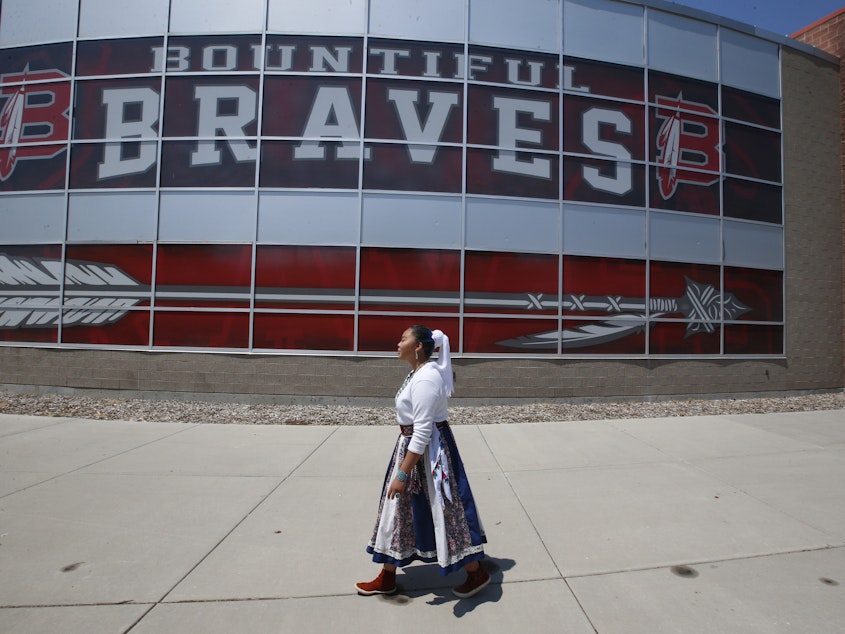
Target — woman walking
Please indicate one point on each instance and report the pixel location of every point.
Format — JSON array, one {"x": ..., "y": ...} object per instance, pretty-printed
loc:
[{"x": 427, "y": 511}]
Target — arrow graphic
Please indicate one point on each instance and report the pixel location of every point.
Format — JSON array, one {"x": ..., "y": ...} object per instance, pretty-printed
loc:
[{"x": 97, "y": 294}]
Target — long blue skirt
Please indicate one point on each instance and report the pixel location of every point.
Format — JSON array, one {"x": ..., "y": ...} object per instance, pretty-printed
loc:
[{"x": 422, "y": 526}]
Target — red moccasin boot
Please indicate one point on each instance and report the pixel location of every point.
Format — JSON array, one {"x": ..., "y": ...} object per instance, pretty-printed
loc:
[
  {"x": 476, "y": 581},
  {"x": 385, "y": 583}
]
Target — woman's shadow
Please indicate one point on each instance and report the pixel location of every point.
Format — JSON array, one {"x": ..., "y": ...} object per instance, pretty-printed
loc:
[{"x": 416, "y": 582}]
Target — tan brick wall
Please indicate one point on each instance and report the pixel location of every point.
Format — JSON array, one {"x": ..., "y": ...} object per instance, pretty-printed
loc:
[
  {"x": 814, "y": 299},
  {"x": 829, "y": 36}
]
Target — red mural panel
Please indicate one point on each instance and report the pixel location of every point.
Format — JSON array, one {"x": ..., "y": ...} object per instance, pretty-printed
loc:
[
  {"x": 512, "y": 118},
  {"x": 30, "y": 277},
  {"x": 201, "y": 329},
  {"x": 510, "y": 336},
  {"x": 57, "y": 57},
  {"x": 337, "y": 168},
  {"x": 303, "y": 54},
  {"x": 282, "y": 331},
  {"x": 313, "y": 107},
  {"x": 602, "y": 181},
  {"x": 203, "y": 275},
  {"x": 674, "y": 338},
  {"x": 381, "y": 333},
  {"x": 104, "y": 327},
  {"x": 521, "y": 283},
  {"x": 759, "y": 290},
  {"x": 305, "y": 277},
  {"x": 130, "y": 106},
  {"x": 693, "y": 95},
  {"x": 410, "y": 280},
  {"x": 414, "y": 59},
  {"x": 599, "y": 78},
  {"x": 746, "y": 106},
  {"x": 105, "y": 284},
  {"x": 753, "y": 339},
  {"x": 752, "y": 200},
  {"x": 752, "y": 152},
  {"x": 512, "y": 173},
  {"x": 685, "y": 147},
  {"x": 222, "y": 163},
  {"x": 603, "y": 128},
  {"x": 117, "y": 57},
  {"x": 133, "y": 164},
  {"x": 498, "y": 66},
  {"x": 430, "y": 168},
  {"x": 595, "y": 286},
  {"x": 414, "y": 110}
]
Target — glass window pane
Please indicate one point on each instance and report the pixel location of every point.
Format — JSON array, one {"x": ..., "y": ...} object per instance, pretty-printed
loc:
[
  {"x": 115, "y": 217},
  {"x": 512, "y": 225},
  {"x": 207, "y": 216},
  {"x": 755, "y": 245},
  {"x": 32, "y": 219},
  {"x": 411, "y": 221},
  {"x": 209, "y": 16},
  {"x": 528, "y": 24},
  {"x": 681, "y": 238},
  {"x": 436, "y": 20},
  {"x": 308, "y": 218},
  {"x": 682, "y": 46},
  {"x": 24, "y": 21},
  {"x": 603, "y": 231},
  {"x": 750, "y": 63},
  {"x": 603, "y": 30},
  {"x": 317, "y": 16},
  {"x": 112, "y": 18}
]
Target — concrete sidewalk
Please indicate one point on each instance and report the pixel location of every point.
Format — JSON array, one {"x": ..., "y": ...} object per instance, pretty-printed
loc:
[{"x": 703, "y": 524}]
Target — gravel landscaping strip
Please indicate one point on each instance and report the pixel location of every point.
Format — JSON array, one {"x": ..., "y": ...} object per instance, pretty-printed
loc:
[{"x": 171, "y": 411}]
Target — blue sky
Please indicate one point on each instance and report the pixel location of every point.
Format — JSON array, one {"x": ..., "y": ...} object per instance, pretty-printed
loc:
[{"x": 783, "y": 17}]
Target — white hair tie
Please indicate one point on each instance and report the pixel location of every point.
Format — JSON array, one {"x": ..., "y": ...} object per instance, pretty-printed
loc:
[{"x": 444, "y": 360}]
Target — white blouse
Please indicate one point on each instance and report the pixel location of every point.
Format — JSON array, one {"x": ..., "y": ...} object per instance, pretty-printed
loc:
[{"x": 422, "y": 402}]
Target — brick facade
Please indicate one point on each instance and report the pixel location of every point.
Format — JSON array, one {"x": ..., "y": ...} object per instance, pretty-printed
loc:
[
  {"x": 814, "y": 316},
  {"x": 828, "y": 35}
]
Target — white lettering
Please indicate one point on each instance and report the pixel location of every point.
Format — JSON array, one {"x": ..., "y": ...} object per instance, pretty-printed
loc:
[
  {"x": 227, "y": 56},
  {"x": 212, "y": 120},
  {"x": 569, "y": 78},
  {"x": 332, "y": 116},
  {"x": 534, "y": 68},
  {"x": 510, "y": 135},
  {"x": 178, "y": 58},
  {"x": 142, "y": 125},
  {"x": 389, "y": 55},
  {"x": 432, "y": 64},
  {"x": 477, "y": 63},
  {"x": 323, "y": 60},
  {"x": 592, "y": 120},
  {"x": 441, "y": 104}
]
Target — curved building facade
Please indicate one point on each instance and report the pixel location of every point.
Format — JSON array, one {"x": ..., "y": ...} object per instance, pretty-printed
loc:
[{"x": 592, "y": 197}]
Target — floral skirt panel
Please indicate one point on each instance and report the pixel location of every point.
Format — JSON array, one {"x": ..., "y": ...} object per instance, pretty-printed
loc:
[{"x": 423, "y": 526}]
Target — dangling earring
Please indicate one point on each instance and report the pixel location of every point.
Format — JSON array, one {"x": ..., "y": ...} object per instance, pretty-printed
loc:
[{"x": 416, "y": 355}]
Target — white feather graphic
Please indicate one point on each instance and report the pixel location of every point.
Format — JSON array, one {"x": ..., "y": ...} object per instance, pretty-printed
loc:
[{"x": 95, "y": 294}]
